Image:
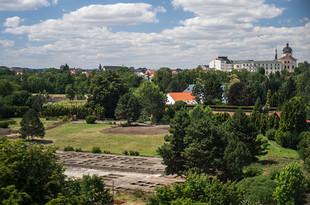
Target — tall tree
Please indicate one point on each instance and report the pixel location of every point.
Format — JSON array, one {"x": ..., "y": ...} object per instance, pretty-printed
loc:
[
  {"x": 128, "y": 107},
  {"x": 105, "y": 90},
  {"x": 291, "y": 185},
  {"x": 31, "y": 126},
  {"x": 152, "y": 99},
  {"x": 162, "y": 78},
  {"x": 70, "y": 92}
]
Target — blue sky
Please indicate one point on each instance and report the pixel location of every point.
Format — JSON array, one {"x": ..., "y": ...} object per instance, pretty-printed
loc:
[{"x": 152, "y": 34}]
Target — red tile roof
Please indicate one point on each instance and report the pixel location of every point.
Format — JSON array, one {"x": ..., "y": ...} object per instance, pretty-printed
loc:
[
  {"x": 182, "y": 96},
  {"x": 287, "y": 57}
]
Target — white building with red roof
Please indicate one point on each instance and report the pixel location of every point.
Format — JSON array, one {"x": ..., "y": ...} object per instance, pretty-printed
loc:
[
  {"x": 288, "y": 62},
  {"x": 185, "y": 97}
]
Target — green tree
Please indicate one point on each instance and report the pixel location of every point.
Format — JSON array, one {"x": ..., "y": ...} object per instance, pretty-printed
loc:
[
  {"x": 293, "y": 120},
  {"x": 162, "y": 78},
  {"x": 171, "y": 152},
  {"x": 291, "y": 185},
  {"x": 198, "y": 189},
  {"x": 240, "y": 125},
  {"x": 29, "y": 172},
  {"x": 70, "y": 92},
  {"x": 105, "y": 90},
  {"x": 152, "y": 99},
  {"x": 240, "y": 94},
  {"x": 128, "y": 107},
  {"x": 31, "y": 126}
]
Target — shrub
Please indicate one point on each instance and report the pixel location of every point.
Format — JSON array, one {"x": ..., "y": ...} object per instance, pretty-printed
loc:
[
  {"x": 12, "y": 122},
  {"x": 90, "y": 119},
  {"x": 68, "y": 148},
  {"x": 78, "y": 150},
  {"x": 106, "y": 152},
  {"x": 4, "y": 124},
  {"x": 134, "y": 153},
  {"x": 125, "y": 152},
  {"x": 252, "y": 172},
  {"x": 96, "y": 150},
  {"x": 287, "y": 139},
  {"x": 270, "y": 134}
]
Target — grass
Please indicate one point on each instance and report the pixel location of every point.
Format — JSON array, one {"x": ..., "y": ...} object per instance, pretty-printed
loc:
[
  {"x": 86, "y": 136},
  {"x": 70, "y": 103},
  {"x": 46, "y": 123}
]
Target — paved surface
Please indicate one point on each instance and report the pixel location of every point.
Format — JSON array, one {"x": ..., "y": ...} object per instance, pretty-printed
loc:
[{"x": 122, "y": 173}]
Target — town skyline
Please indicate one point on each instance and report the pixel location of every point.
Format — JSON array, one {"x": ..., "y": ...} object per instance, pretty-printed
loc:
[{"x": 176, "y": 34}]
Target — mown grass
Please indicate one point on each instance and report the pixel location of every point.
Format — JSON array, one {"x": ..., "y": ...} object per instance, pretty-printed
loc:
[
  {"x": 70, "y": 103},
  {"x": 86, "y": 136}
]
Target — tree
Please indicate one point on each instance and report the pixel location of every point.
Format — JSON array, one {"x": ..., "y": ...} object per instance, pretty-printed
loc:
[
  {"x": 70, "y": 93},
  {"x": 30, "y": 172},
  {"x": 239, "y": 124},
  {"x": 128, "y": 107},
  {"x": 293, "y": 120},
  {"x": 162, "y": 78},
  {"x": 198, "y": 189},
  {"x": 31, "y": 126},
  {"x": 208, "y": 91},
  {"x": 152, "y": 99},
  {"x": 171, "y": 152},
  {"x": 291, "y": 185},
  {"x": 105, "y": 90},
  {"x": 240, "y": 94}
]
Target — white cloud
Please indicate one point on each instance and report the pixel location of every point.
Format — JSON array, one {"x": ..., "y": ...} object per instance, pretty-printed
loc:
[
  {"x": 13, "y": 21},
  {"x": 83, "y": 38},
  {"x": 6, "y": 43},
  {"x": 21, "y": 5}
]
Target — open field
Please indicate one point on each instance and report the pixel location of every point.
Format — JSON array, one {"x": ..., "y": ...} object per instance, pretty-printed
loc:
[
  {"x": 69, "y": 103},
  {"x": 86, "y": 136}
]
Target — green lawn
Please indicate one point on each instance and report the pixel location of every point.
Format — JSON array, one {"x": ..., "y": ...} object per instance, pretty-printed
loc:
[{"x": 86, "y": 136}]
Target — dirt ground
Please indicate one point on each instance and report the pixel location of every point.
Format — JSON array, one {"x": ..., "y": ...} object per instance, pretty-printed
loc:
[{"x": 138, "y": 130}]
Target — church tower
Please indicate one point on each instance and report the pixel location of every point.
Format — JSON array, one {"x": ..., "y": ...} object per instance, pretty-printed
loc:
[{"x": 288, "y": 62}]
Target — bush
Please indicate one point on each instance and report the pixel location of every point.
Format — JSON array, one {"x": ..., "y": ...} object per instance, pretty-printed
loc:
[
  {"x": 131, "y": 153},
  {"x": 96, "y": 150},
  {"x": 287, "y": 139},
  {"x": 4, "y": 124},
  {"x": 106, "y": 152},
  {"x": 78, "y": 150},
  {"x": 134, "y": 153},
  {"x": 68, "y": 148},
  {"x": 252, "y": 172},
  {"x": 270, "y": 134},
  {"x": 90, "y": 119}
]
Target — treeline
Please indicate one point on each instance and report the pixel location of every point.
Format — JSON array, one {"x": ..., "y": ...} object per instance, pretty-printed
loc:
[{"x": 239, "y": 87}]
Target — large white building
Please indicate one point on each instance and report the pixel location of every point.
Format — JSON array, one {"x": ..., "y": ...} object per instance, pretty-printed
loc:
[{"x": 286, "y": 62}]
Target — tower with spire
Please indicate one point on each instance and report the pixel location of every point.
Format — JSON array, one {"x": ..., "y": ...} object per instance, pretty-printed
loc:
[{"x": 288, "y": 62}]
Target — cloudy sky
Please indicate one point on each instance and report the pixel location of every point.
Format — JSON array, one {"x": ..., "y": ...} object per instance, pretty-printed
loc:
[{"x": 149, "y": 33}]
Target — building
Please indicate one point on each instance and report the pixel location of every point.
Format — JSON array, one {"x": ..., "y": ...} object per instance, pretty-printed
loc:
[
  {"x": 185, "y": 97},
  {"x": 287, "y": 62}
]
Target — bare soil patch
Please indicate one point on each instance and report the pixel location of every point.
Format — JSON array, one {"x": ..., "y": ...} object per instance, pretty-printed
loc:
[{"x": 138, "y": 130}]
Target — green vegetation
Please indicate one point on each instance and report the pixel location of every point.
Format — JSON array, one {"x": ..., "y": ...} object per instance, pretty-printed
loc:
[
  {"x": 85, "y": 136},
  {"x": 31, "y": 126},
  {"x": 71, "y": 103}
]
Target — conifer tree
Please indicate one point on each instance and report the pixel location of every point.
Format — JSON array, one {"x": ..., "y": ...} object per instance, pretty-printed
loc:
[{"x": 31, "y": 126}]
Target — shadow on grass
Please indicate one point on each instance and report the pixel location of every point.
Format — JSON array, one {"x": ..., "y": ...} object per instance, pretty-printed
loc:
[{"x": 267, "y": 162}]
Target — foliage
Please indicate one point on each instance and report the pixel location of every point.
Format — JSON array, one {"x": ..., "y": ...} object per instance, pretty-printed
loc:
[
  {"x": 96, "y": 150},
  {"x": 304, "y": 148},
  {"x": 105, "y": 90},
  {"x": 31, "y": 126},
  {"x": 90, "y": 119},
  {"x": 131, "y": 153},
  {"x": 270, "y": 134},
  {"x": 240, "y": 94},
  {"x": 55, "y": 110},
  {"x": 4, "y": 124},
  {"x": 152, "y": 99},
  {"x": 162, "y": 78},
  {"x": 258, "y": 189},
  {"x": 128, "y": 107},
  {"x": 70, "y": 92},
  {"x": 29, "y": 172},
  {"x": 198, "y": 189},
  {"x": 291, "y": 185},
  {"x": 68, "y": 148},
  {"x": 292, "y": 122}
]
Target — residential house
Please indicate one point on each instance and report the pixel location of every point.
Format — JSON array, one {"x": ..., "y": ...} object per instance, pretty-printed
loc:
[{"x": 185, "y": 97}]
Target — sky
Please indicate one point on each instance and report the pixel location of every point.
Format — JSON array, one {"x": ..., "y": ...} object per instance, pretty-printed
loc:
[{"x": 151, "y": 33}]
